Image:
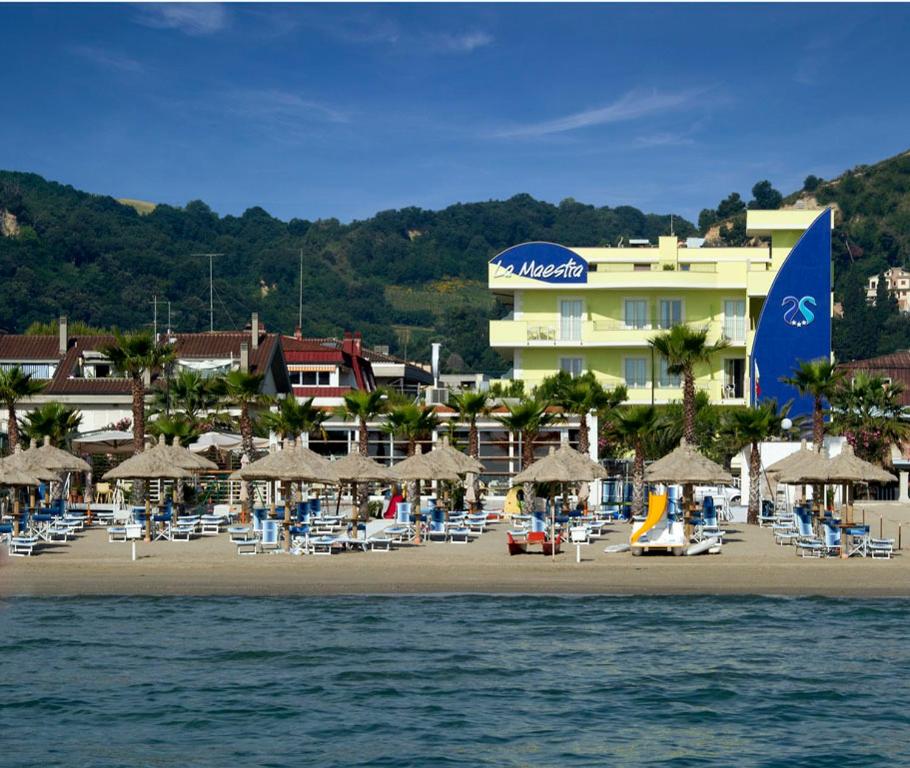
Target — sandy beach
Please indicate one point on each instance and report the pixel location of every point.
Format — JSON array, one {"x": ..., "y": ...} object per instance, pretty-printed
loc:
[{"x": 750, "y": 564}]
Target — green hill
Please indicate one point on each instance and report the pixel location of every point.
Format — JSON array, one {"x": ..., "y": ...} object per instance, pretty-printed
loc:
[{"x": 402, "y": 277}]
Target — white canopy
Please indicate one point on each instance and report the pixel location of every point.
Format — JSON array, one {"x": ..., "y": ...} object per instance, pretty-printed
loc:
[
  {"x": 105, "y": 441},
  {"x": 224, "y": 441}
]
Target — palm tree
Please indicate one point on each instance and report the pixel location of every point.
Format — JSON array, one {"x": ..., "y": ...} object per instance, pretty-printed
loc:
[
  {"x": 684, "y": 348},
  {"x": 177, "y": 428},
  {"x": 363, "y": 406},
  {"x": 471, "y": 406},
  {"x": 15, "y": 386},
  {"x": 244, "y": 391},
  {"x": 528, "y": 417},
  {"x": 751, "y": 426},
  {"x": 581, "y": 396},
  {"x": 819, "y": 379},
  {"x": 293, "y": 418},
  {"x": 411, "y": 422},
  {"x": 870, "y": 415},
  {"x": 54, "y": 420},
  {"x": 191, "y": 393},
  {"x": 632, "y": 427},
  {"x": 134, "y": 354}
]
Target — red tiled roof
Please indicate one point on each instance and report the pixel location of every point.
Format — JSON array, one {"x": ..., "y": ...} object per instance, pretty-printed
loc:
[
  {"x": 188, "y": 345},
  {"x": 894, "y": 360}
]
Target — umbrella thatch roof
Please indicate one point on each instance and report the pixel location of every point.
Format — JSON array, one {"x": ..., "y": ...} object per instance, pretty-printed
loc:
[
  {"x": 422, "y": 466},
  {"x": 57, "y": 459},
  {"x": 357, "y": 468},
  {"x": 30, "y": 463},
  {"x": 292, "y": 463},
  {"x": 565, "y": 465},
  {"x": 843, "y": 468},
  {"x": 455, "y": 459},
  {"x": 794, "y": 461},
  {"x": 846, "y": 467},
  {"x": 10, "y": 474},
  {"x": 160, "y": 462},
  {"x": 811, "y": 468},
  {"x": 686, "y": 465},
  {"x": 184, "y": 457}
]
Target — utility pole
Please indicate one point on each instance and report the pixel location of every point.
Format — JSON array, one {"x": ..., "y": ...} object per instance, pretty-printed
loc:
[
  {"x": 300, "y": 299},
  {"x": 211, "y": 287},
  {"x": 155, "y": 317},
  {"x": 169, "y": 320}
]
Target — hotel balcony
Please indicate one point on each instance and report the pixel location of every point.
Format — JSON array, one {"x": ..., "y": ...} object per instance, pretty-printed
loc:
[{"x": 593, "y": 333}]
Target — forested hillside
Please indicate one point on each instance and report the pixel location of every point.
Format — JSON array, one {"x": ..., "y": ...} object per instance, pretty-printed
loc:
[{"x": 404, "y": 277}]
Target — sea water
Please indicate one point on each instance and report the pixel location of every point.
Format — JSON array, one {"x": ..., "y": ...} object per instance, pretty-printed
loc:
[{"x": 459, "y": 680}]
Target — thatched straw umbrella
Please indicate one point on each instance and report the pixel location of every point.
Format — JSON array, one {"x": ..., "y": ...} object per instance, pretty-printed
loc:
[
  {"x": 12, "y": 475},
  {"x": 451, "y": 458},
  {"x": 356, "y": 468},
  {"x": 565, "y": 465},
  {"x": 30, "y": 462},
  {"x": 686, "y": 466},
  {"x": 421, "y": 466},
  {"x": 292, "y": 464},
  {"x": 156, "y": 463}
]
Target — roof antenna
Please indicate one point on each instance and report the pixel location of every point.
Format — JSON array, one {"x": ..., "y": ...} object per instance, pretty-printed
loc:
[{"x": 211, "y": 288}]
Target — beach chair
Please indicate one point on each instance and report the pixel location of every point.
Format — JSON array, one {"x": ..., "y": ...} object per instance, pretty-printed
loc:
[
  {"x": 807, "y": 543},
  {"x": 6, "y": 531},
  {"x": 709, "y": 528},
  {"x": 458, "y": 533},
  {"x": 23, "y": 546},
  {"x": 269, "y": 540},
  {"x": 403, "y": 530},
  {"x": 881, "y": 549},
  {"x": 325, "y": 545},
  {"x": 436, "y": 530},
  {"x": 766, "y": 514},
  {"x": 579, "y": 534},
  {"x": 833, "y": 541},
  {"x": 538, "y": 522}
]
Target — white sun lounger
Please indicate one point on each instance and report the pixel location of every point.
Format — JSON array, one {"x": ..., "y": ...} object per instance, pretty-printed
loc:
[{"x": 22, "y": 546}]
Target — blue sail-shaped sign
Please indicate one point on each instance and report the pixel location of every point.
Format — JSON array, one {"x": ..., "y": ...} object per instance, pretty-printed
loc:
[{"x": 795, "y": 321}]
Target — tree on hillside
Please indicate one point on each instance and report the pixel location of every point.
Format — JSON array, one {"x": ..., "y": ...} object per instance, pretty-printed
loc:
[
  {"x": 765, "y": 197},
  {"x": 811, "y": 183},
  {"x": 730, "y": 206}
]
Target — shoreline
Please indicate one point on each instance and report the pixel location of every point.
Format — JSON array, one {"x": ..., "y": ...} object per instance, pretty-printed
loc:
[{"x": 751, "y": 565}]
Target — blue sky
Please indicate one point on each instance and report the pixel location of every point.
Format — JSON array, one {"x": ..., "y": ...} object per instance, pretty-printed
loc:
[{"x": 345, "y": 110}]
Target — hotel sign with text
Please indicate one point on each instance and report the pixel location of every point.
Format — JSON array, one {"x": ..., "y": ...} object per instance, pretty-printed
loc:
[{"x": 546, "y": 262}]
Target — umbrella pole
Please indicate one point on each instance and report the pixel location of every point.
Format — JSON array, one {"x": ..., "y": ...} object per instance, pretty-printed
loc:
[
  {"x": 148, "y": 520},
  {"x": 15, "y": 512},
  {"x": 287, "y": 521},
  {"x": 354, "y": 513}
]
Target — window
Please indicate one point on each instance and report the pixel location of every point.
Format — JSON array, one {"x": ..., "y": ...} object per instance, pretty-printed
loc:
[
  {"x": 636, "y": 313},
  {"x": 310, "y": 378},
  {"x": 571, "y": 365},
  {"x": 636, "y": 372},
  {"x": 735, "y": 320},
  {"x": 665, "y": 378},
  {"x": 570, "y": 320},
  {"x": 670, "y": 313},
  {"x": 734, "y": 378}
]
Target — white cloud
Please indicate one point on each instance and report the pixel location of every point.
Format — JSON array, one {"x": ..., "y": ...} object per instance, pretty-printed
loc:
[
  {"x": 282, "y": 106},
  {"x": 107, "y": 59},
  {"x": 465, "y": 42},
  {"x": 634, "y": 105},
  {"x": 663, "y": 140},
  {"x": 189, "y": 18}
]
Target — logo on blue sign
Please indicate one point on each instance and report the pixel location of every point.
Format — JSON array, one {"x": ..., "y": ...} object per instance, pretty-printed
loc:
[
  {"x": 797, "y": 312},
  {"x": 546, "y": 262}
]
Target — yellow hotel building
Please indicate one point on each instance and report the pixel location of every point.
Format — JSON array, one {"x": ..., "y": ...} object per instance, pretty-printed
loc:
[{"x": 579, "y": 309}]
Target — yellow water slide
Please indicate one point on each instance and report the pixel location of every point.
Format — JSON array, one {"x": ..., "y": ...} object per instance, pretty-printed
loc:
[{"x": 657, "y": 506}]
